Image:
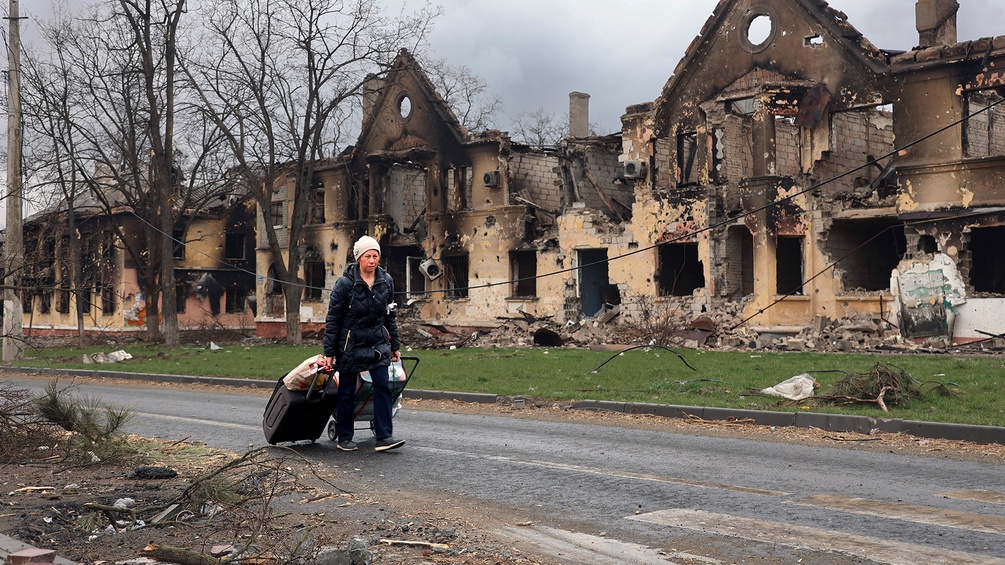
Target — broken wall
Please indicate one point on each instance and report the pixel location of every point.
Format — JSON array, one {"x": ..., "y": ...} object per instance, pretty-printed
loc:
[
  {"x": 480, "y": 242},
  {"x": 535, "y": 177}
]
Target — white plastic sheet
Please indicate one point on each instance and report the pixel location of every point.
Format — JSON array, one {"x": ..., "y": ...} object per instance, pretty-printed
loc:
[{"x": 794, "y": 388}]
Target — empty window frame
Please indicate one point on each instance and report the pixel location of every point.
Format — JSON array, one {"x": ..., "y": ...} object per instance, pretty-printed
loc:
[
  {"x": 866, "y": 252},
  {"x": 455, "y": 273},
  {"x": 687, "y": 151},
  {"x": 314, "y": 280},
  {"x": 63, "y": 296},
  {"x": 523, "y": 266},
  {"x": 415, "y": 281},
  {"x": 84, "y": 298},
  {"x": 108, "y": 299},
  {"x": 984, "y": 129},
  {"x": 180, "y": 296},
  {"x": 108, "y": 273},
  {"x": 316, "y": 212},
  {"x": 679, "y": 271},
  {"x": 178, "y": 235},
  {"x": 236, "y": 299},
  {"x": 987, "y": 262},
  {"x": 789, "y": 265},
  {"x": 44, "y": 301},
  {"x": 234, "y": 247},
  {"x": 738, "y": 263},
  {"x": 358, "y": 202},
  {"x": 276, "y": 214}
]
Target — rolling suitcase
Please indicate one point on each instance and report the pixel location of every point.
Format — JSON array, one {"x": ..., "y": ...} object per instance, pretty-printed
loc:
[{"x": 295, "y": 415}]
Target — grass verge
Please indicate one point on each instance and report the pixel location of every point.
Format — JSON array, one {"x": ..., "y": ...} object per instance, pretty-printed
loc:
[{"x": 721, "y": 379}]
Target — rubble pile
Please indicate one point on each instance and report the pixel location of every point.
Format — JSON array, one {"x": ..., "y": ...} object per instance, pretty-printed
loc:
[
  {"x": 859, "y": 332},
  {"x": 510, "y": 332},
  {"x": 721, "y": 329}
]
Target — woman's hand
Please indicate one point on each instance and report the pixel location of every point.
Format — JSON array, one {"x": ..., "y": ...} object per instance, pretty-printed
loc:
[
  {"x": 395, "y": 356},
  {"x": 329, "y": 362}
]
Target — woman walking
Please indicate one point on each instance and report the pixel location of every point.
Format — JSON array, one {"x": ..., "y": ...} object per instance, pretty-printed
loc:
[{"x": 361, "y": 334}]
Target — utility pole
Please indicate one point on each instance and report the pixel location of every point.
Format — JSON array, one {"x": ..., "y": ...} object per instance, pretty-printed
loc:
[{"x": 13, "y": 331}]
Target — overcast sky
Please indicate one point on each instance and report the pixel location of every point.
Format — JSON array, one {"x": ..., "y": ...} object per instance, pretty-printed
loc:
[{"x": 533, "y": 53}]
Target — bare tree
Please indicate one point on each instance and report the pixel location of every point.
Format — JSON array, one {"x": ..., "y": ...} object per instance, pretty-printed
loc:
[
  {"x": 280, "y": 79},
  {"x": 104, "y": 105},
  {"x": 538, "y": 128},
  {"x": 465, "y": 93}
]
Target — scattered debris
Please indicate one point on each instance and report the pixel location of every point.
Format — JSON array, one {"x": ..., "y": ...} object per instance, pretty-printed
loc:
[
  {"x": 154, "y": 473},
  {"x": 113, "y": 357},
  {"x": 794, "y": 388},
  {"x": 884, "y": 385},
  {"x": 415, "y": 543},
  {"x": 721, "y": 329},
  {"x": 730, "y": 421}
]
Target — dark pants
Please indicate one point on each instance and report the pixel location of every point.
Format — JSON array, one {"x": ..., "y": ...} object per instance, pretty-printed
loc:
[{"x": 345, "y": 410}]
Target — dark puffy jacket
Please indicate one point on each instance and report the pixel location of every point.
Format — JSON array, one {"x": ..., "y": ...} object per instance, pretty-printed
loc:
[{"x": 361, "y": 329}]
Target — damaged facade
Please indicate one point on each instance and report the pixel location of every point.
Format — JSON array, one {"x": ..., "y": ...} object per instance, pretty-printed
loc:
[
  {"x": 790, "y": 175},
  {"x": 783, "y": 179},
  {"x": 214, "y": 270},
  {"x": 794, "y": 156},
  {"x": 467, "y": 223}
]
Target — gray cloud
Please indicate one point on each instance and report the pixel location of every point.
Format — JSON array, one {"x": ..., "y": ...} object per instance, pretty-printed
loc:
[{"x": 532, "y": 53}]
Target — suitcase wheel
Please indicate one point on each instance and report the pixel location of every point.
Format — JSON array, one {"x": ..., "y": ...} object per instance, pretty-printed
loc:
[{"x": 332, "y": 430}]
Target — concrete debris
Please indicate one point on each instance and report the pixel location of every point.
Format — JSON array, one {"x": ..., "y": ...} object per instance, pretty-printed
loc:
[{"x": 720, "y": 329}]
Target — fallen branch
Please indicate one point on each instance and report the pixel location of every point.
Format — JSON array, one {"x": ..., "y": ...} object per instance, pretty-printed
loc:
[
  {"x": 731, "y": 421},
  {"x": 178, "y": 555},
  {"x": 832, "y": 438},
  {"x": 679, "y": 356},
  {"x": 415, "y": 543}
]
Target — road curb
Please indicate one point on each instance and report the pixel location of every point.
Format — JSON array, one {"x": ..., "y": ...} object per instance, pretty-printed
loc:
[
  {"x": 828, "y": 422},
  {"x": 9, "y": 545}
]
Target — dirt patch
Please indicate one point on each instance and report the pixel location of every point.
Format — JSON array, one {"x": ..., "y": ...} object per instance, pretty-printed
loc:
[{"x": 270, "y": 506}]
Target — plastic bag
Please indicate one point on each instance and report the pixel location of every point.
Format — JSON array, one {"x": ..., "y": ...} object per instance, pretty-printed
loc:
[
  {"x": 301, "y": 377},
  {"x": 395, "y": 373}
]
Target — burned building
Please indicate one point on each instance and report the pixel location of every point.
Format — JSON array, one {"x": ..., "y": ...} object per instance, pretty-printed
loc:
[
  {"x": 213, "y": 268},
  {"x": 790, "y": 173},
  {"x": 468, "y": 223},
  {"x": 797, "y": 168}
]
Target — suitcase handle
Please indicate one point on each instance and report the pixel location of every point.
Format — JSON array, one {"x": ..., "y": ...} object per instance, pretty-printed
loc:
[{"x": 324, "y": 390}]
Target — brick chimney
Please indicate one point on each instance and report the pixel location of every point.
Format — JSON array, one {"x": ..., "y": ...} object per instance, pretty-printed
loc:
[
  {"x": 579, "y": 115},
  {"x": 936, "y": 21},
  {"x": 371, "y": 90}
]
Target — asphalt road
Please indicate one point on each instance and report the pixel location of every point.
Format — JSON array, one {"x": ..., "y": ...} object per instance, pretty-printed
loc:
[{"x": 593, "y": 494}]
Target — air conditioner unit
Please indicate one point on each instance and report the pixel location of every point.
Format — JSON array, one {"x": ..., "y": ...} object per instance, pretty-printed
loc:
[
  {"x": 430, "y": 269},
  {"x": 635, "y": 170},
  {"x": 492, "y": 179}
]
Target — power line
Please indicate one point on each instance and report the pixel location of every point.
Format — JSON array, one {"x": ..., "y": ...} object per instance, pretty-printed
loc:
[{"x": 708, "y": 228}]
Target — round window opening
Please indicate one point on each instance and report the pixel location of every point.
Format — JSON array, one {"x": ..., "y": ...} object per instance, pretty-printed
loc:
[
  {"x": 759, "y": 30},
  {"x": 405, "y": 107}
]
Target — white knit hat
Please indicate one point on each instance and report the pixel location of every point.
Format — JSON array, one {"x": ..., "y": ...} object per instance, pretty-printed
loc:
[{"x": 364, "y": 244}]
